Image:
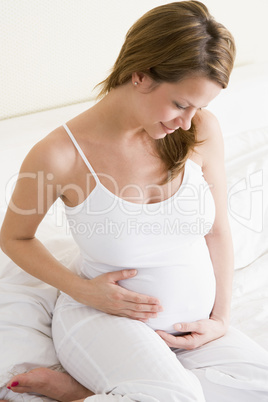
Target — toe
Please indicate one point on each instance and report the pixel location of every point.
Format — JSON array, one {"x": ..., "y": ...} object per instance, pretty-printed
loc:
[{"x": 19, "y": 383}]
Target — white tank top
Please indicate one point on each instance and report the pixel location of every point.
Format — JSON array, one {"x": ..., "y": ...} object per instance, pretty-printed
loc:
[{"x": 163, "y": 241}]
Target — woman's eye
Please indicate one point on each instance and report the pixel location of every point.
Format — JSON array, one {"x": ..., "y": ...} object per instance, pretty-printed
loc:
[{"x": 179, "y": 106}]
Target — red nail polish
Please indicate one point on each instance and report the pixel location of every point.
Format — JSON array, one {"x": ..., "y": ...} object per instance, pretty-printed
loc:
[
  {"x": 8, "y": 388},
  {"x": 14, "y": 384}
]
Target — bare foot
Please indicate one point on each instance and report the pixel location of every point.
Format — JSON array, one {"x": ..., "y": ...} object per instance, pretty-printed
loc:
[{"x": 54, "y": 384}]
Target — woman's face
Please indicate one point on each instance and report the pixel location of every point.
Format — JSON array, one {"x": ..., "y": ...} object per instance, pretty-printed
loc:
[{"x": 172, "y": 105}]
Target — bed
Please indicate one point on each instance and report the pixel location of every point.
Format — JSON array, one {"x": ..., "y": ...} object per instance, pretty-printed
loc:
[{"x": 26, "y": 304}]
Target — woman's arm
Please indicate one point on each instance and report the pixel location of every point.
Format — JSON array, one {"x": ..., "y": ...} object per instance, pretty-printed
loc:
[
  {"x": 32, "y": 197},
  {"x": 42, "y": 176},
  {"x": 218, "y": 240}
]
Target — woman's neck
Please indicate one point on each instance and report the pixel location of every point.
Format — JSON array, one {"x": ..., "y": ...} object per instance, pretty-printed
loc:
[{"x": 117, "y": 115}]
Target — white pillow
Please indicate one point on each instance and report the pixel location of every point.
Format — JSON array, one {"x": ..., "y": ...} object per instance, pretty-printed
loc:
[
  {"x": 243, "y": 104},
  {"x": 242, "y": 112},
  {"x": 247, "y": 179}
]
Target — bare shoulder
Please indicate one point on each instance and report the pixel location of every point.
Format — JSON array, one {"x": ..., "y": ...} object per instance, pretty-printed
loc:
[
  {"x": 208, "y": 130},
  {"x": 53, "y": 154}
]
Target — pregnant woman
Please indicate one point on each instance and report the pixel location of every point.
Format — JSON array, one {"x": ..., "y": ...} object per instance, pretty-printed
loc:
[{"x": 144, "y": 309}]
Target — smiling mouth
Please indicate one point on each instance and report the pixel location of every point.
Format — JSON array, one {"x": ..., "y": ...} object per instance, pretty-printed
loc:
[{"x": 167, "y": 129}]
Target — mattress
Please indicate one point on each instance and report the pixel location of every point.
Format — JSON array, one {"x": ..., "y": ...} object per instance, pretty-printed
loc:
[{"x": 26, "y": 304}]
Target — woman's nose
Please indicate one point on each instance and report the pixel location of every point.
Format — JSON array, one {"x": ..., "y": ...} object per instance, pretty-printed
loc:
[
  {"x": 186, "y": 124},
  {"x": 185, "y": 119}
]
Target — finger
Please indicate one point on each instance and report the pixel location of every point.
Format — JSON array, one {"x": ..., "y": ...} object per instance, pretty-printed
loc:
[
  {"x": 189, "y": 341},
  {"x": 145, "y": 308},
  {"x": 179, "y": 342},
  {"x": 136, "y": 315},
  {"x": 166, "y": 336},
  {"x": 138, "y": 298},
  {"x": 121, "y": 275},
  {"x": 129, "y": 295},
  {"x": 124, "y": 299},
  {"x": 195, "y": 326}
]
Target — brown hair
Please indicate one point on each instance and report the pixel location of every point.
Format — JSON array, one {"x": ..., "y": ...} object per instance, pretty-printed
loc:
[{"x": 169, "y": 43}]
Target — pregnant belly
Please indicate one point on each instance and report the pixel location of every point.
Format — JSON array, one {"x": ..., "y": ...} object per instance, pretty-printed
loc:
[{"x": 186, "y": 292}]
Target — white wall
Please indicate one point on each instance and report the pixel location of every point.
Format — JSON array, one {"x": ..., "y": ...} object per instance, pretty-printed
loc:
[{"x": 53, "y": 52}]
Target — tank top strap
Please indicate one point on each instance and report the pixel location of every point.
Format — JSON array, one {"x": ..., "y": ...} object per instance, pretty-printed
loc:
[{"x": 77, "y": 146}]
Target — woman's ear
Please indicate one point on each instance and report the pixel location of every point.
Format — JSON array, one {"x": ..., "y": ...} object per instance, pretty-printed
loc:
[{"x": 142, "y": 81}]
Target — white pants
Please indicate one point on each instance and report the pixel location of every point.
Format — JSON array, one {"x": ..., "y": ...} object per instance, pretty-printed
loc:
[{"x": 125, "y": 360}]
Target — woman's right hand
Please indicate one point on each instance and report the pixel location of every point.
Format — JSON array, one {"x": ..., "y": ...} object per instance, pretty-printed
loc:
[{"x": 105, "y": 294}]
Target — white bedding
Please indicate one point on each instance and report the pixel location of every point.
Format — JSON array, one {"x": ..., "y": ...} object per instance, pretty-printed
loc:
[{"x": 26, "y": 304}]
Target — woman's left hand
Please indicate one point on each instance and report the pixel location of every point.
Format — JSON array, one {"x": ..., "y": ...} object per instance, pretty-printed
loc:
[{"x": 197, "y": 333}]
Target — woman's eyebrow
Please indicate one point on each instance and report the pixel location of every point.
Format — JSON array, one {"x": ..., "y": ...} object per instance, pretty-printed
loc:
[{"x": 190, "y": 104}]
